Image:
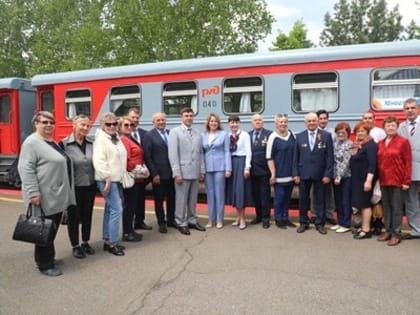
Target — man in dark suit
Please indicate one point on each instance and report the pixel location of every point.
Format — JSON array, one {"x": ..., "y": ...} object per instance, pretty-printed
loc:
[
  {"x": 138, "y": 135},
  {"x": 157, "y": 160},
  {"x": 313, "y": 167},
  {"x": 260, "y": 174}
]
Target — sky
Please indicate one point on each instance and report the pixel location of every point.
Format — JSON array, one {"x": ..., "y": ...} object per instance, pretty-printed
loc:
[{"x": 311, "y": 12}]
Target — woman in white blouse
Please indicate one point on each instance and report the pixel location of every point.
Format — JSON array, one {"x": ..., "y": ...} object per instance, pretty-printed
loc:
[{"x": 238, "y": 193}]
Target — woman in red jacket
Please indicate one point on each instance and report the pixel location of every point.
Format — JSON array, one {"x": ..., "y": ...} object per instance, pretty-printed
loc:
[
  {"x": 132, "y": 195},
  {"x": 394, "y": 168}
]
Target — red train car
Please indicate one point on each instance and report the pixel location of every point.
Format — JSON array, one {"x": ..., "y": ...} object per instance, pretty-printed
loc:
[{"x": 17, "y": 106}]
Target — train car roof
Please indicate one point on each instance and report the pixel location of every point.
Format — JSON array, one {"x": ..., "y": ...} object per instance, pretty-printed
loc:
[
  {"x": 15, "y": 84},
  {"x": 319, "y": 54}
]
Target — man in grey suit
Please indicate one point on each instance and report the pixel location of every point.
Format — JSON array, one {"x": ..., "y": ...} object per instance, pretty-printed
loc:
[
  {"x": 410, "y": 129},
  {"x": 187, "y": 163}
]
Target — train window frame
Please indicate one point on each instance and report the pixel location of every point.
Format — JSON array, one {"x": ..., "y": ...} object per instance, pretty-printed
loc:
[
  {"x": 191, "y": 94},
  {"x": 126, "y": 96},
  {"x": 321, "y": 84},
  {"x": 49, "y": 107},
  {"x": 5, "y": 112},
  {"x": 393, "y": 103},
  {"x": 78, "y": 100},
  {"x": 247, "y": 99}
]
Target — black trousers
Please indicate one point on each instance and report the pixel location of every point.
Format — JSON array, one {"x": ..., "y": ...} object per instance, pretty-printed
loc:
[
  {"x": 44, "y": 255},
  {"x": 304, "y": 201},
  {"x": 261, "y": 196},
  {"x": 139, "y": 203},
  {"x": 81, "y": 213},
  {"x": 164, "y": 191}
]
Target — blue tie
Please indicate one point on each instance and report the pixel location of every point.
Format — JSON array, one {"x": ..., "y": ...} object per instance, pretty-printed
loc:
[
  {"x": 163, "y": 133},
  {"x": 312, "y": 140}
]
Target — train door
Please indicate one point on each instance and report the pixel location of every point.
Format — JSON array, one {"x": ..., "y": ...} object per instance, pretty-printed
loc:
[{"x": 8, "y": 125}]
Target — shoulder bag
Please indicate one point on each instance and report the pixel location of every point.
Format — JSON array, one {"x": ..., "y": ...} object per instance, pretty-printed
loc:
[
  {"x": 33, "y": 229},
  {"x": 127, "y": 180}
]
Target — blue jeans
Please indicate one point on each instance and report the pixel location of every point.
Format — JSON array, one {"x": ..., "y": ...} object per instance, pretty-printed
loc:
[
  {"x": 342, "y": 195},
  {"x": 215, "y": 185},
  {"x": 282, "y": 195},
  {"x": 112, "y": 212}
]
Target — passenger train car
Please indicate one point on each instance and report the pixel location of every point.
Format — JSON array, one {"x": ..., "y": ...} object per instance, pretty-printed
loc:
[
  {"x": 17, "y": 106},
  {"x": 344, "y": 80}
]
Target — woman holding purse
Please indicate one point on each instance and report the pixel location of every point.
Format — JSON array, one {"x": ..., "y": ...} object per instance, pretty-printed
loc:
[
  {"x": 135, "y": 165},
  {"x": 46, "y": 174}
]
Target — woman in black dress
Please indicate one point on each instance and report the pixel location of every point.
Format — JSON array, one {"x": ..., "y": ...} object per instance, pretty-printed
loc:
[{"x": 363, "y": 170}]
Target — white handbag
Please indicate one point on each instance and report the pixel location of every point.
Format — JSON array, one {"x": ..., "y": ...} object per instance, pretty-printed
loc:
[{"x": 127, "y": 180}]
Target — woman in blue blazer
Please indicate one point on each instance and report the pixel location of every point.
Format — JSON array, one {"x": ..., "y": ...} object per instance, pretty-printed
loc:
[{"x": 218, "y": 167}]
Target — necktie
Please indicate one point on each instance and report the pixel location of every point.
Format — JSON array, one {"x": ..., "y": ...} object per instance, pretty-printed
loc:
[
  {"x": 412, "y": 128},
  {"x": 256, "y": 138},
  {"x": 136, "y": 136},
  {"x": 189, "y": 132},
  {"x": 312, "y": 140},
  {"x": 163, "y": 133}
]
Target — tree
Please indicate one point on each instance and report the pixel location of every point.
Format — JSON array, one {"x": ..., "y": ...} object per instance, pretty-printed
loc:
[
  {"x": 296, "y": 38},
  {"x": 13, "y": 39},
  {"x": 412, "y": 31},
  {"x": 50, "y": 36},
  {"x": 361, "y": 21}
]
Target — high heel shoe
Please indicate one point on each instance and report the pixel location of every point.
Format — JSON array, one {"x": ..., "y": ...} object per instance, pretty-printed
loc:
[{"x": 362, "y": 235}]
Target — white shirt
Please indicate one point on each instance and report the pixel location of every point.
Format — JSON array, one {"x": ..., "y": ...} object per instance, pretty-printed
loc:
[{"x": 244, "y": 147}]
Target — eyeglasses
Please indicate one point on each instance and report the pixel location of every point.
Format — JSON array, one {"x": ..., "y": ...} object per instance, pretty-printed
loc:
[
  {"x": 128, "y": 125},
  {"x": 47, "y": 122},
  {"x": 109, "y": 124}
]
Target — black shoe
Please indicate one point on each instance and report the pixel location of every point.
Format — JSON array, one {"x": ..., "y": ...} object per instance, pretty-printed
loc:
[
  {"x": 116, "y": 250},
  {"x": 132, "y": 237},
  {"x": 107, "y": 246},
  {"x": 184, "y": 230},
  {"x": 281, "y": 224},
  {"x": 87, "y": 249},
  {"x": 321, "y": 229},
  {"x": 78, "y": 252},
  {"x": 377, "y": 230},
  {"x": 172, "y": 224},
  {"x": 197, "y": 226},
  {"x": 256, "y": 221},
  {"x": 142, "y": 226},
  {"x": 409, "y": 237},
  {"x": 163, "y": 229},
  {"x": 290, "y": 223},
  {"x": 312, "y": 220},
  {"x": 52, "y": 272},
  {"x": 362, "y": 235},
  {"x": 331, "y": 221},
  {"x": 302, "y": 228},
  {"x": 266, "y": 224}
]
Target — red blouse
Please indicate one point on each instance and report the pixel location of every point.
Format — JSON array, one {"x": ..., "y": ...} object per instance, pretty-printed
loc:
[
  {"x": 135, "y": 154},
  {"x": 394, "y": 162}
]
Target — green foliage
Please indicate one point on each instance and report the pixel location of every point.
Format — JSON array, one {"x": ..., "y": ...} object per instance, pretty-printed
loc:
[
  {"x": 295, "y": 39},
  {"x": 49, "y": 36},
  {"x": 361, "y": 21}
]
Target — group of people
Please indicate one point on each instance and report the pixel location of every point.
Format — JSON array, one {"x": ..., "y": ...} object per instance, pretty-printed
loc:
[{"x": 238, "y": 168}]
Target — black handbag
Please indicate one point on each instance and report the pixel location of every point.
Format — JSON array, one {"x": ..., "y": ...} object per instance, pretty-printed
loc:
[{"x": 32, "y": 229}]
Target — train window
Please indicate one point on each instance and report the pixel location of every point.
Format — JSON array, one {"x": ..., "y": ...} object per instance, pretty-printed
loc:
[
  {"x": 391, "y": 87},
  {"x": 123, "y": 98},
  {"x": 5, "y": 109},
  {"x": 78, "y": 102},
  {"x": 243, "y": 95},
  {"x": 178, "y": 95},
  {"x": 314, "y": 91},
  {"x": 47, "y": 102}
]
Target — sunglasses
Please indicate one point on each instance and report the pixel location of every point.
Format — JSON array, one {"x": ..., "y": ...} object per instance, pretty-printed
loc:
[
  {"x": 47, "y": 122},
  {"x": 128, "y": 125},
  {"x": 109, "y": 124}
]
